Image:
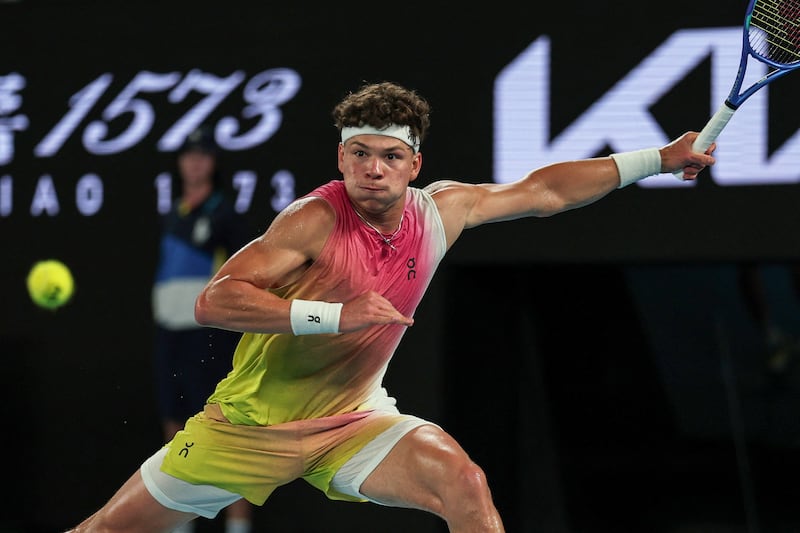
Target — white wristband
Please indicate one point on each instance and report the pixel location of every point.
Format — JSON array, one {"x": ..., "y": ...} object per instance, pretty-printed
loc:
[
  {"x": 308, "y": 317},
  {"x": 633, "y": 166}
]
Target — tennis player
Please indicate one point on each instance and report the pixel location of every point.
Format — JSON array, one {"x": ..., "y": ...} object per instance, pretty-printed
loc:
[{"x": 323, "y": 299}]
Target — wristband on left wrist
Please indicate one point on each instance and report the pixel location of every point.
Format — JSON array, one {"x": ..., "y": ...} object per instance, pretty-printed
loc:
[{"x": 636, "y": 165}]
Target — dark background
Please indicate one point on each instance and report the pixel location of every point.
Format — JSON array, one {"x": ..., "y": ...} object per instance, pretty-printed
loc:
[{"x": 602, "y": 365}]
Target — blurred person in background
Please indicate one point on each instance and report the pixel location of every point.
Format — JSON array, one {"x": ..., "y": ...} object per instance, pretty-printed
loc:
[{"x": 201, "y": 230}]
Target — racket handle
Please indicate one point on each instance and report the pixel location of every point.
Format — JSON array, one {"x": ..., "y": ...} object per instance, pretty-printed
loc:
[{"x": 711, "y": 131}]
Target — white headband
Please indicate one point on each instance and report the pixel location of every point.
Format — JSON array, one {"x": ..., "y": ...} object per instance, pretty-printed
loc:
[{"x": 402, "y": 133}]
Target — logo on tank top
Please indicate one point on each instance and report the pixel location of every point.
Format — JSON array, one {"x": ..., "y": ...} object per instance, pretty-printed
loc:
[{"x": 411, "y": 264}]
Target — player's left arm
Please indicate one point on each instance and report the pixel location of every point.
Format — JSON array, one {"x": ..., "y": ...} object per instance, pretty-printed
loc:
[{"x": 559, "y": 187}]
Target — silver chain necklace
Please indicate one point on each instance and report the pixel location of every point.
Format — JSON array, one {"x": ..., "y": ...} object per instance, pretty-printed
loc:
[{"x": 388, "y": 240}]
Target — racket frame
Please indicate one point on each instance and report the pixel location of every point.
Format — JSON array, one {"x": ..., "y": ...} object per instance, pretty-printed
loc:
[{"x": 735, "y": 99}]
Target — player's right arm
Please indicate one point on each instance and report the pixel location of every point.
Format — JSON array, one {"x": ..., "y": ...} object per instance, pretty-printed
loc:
[{"x": 238, "y": 297}]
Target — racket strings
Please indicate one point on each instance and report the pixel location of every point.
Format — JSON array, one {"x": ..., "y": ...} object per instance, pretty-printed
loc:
[{"x": 775, "y": 30}]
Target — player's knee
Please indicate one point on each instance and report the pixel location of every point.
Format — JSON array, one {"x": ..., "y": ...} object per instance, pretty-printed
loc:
[
  {"x": 467, "y": 499},
  {"x": 459, "y": 483},
  {"x": 472, "y": 482},
  {"x": 464, "y": 487}
]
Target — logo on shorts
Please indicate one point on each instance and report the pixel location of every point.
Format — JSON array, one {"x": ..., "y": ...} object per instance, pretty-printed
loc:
[{"x": 185, "y": 450}]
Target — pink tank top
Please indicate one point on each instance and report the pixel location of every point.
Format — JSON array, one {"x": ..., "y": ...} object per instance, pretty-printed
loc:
[{"x": 281, "y": 377}]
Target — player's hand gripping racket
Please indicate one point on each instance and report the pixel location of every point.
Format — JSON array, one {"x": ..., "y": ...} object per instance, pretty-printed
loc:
[{"x": 771, "y": 35}]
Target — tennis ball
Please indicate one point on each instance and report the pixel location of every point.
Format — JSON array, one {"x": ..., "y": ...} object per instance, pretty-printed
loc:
[{"x": 50, "y": 284}]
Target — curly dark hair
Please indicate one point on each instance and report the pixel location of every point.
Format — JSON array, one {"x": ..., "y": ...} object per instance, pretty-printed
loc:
[{"x": 381, "y": 104}]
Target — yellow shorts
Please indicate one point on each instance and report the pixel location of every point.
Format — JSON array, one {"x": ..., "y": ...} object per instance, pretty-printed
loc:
[{"x": 253, "y": 461}]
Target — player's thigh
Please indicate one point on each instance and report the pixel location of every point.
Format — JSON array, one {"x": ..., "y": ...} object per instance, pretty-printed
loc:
[
  {"x": 419, "y": 471},
  {"x": 133, "y": 508}
]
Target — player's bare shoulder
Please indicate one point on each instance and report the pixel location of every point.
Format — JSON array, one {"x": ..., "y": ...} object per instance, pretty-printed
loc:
[
  {"x": 442, "y": 185},
  {"x": 454, "y": 200},
  {"x": 303, "y": 225},
  {"x": 451, "y": 195}
]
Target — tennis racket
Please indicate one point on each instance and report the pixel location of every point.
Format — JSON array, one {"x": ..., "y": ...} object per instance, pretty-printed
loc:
[{"x": 771, "y": 35}]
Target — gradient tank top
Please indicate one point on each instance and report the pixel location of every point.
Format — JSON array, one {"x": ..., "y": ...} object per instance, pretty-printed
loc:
[{"x": 278, "y": 378}]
